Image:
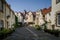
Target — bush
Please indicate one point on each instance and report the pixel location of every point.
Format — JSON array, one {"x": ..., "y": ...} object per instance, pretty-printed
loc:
[
  {"x": 5, "y": 32},
  {"x": 37, "y": 27},
  {"x": 53, "y": 32}
]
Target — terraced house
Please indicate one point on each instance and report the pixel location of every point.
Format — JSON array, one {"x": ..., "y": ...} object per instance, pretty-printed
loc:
[
  {"x": 55, "y": 14},
  {"x": 20, "y": 17},
  {"x": 39, "y": 18},
  {"x": 12, "y": 19},
  {"x": 47, "y": 17},
  {"x": 1, "y": 14},
  {"x": 29, "y": 18},
  {"x": 5, "y": 14}
]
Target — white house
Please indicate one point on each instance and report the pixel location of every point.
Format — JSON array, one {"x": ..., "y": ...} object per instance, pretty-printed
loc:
[
  {"x": 29, "y": 18},
  {"x": 55, "y": 14},
  {"x": 39, "y": 18},
  {"x": 48, "y": 18},
  {"x": 20, "y": 17}
]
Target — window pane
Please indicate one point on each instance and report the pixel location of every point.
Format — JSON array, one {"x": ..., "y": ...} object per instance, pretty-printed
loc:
[
  {"x": 1, "y": 23},
  {"x": 58, "y": 19}
]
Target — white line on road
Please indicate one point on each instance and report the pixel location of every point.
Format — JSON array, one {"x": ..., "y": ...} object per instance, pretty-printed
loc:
[{"x": 32, "y": 32}]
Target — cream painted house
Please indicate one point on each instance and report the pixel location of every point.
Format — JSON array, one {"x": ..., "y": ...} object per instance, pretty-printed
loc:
[
  {"x": 5, "y": 15},
  {"x": 39, "y": 18},
  {"x": 29, "y": 18},
  {"x": 8, "y": 15},
  {"x": 12, "y": 19},
  {"x": 20, "y": 17},
  {"x": 55, "y": 14},
  {"x": 2, "y": 13},
  {"x": 48, "y": 20}
]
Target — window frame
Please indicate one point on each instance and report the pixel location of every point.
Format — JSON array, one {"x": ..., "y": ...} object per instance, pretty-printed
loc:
[
  {"x": 58, "y": 14},
  {"x": 57, "y": 1},
  {"x": 2, "y": 23}
]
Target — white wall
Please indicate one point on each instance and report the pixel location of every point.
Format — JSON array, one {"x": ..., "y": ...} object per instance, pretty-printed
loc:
[
  {"x": 30, "y": 17},
  {"x": 48, "y": 19},
  {"x": 20, "y": 17},
  {"x": 55, "y": 9},
  {"x": 40, "y": 20}
]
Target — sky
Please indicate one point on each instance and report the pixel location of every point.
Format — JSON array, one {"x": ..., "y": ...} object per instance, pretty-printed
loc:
[{"x": 28, "y": 5}]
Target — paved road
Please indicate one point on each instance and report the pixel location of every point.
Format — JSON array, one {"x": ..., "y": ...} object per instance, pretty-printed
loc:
[{"x": 30, "y": 33}]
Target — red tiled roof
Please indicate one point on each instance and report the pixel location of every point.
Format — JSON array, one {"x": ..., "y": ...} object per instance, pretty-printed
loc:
[{"x": 45, "y": 10}]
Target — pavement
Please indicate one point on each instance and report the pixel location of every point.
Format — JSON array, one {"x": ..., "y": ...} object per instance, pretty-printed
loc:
[{"x": 30, "y": 33}]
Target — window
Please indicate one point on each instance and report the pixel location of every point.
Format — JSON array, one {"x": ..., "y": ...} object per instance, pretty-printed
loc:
[
  {"x": 57, "y": 1},
  {"x": 58, "y": 19},
  {"x": 1, "y": 23},
  {"x": 1, "y": 5}
]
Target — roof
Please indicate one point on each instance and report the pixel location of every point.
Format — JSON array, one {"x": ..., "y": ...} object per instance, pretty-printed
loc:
[{"x": 46, "y": 10}]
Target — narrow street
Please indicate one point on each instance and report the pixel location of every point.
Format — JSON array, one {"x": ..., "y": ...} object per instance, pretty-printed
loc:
[{"x": 30, "y": 33}]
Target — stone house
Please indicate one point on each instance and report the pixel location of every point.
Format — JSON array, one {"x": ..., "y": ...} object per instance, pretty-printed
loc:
[
  {"x": 12, "y": 19},
  {"x": 5, "y": 14}
]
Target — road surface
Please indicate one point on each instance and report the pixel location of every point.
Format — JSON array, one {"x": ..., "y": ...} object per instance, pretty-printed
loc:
[{"x": 30, "y": 33}]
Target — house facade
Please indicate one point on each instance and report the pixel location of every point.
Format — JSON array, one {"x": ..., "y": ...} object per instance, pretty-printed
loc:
[
  {"x": 48, "y": 18},
  {"x": 29, "y": 18},
  {"x": 8, "y": 15},
  {"x": 55, "y": 14},
  {"x": 20, "y": 18},
  {"x": 12, "y": 19},
  {"x": 5, "y": 14},
  {"x": 2, "y": 14},
  {"x": 39, "y": 18}
]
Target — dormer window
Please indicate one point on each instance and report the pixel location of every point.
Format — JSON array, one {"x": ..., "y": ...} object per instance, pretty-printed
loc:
[
  {"x": 58, "y": 19},
  {"x": 57, "y": 1}
]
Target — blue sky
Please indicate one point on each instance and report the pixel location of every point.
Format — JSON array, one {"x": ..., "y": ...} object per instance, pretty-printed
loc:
[{"x": 29, "y": 5}]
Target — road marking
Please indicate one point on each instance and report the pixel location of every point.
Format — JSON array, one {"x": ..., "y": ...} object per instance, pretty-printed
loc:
[{"x": 32, "y": 32}]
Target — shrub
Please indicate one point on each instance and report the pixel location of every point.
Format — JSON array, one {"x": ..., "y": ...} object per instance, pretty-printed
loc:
[
  {"x": 37, "y": 27},
  {"x": 5, "y": 32},
  {"x": 53, "y": 32}
]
